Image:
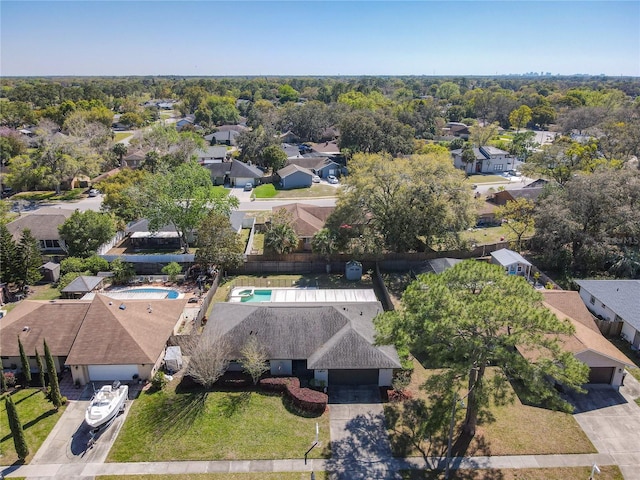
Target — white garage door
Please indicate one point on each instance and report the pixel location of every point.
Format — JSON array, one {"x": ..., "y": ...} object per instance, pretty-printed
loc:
[{"x": 112, "y": 372}]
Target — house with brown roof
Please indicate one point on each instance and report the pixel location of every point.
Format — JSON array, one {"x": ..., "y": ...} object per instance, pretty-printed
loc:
[
  {"x": 504, "y": 196},
  {"x": 102, "y": 339},
  {"x": 307, "y": 220},
  {"x": 134, "y": 159},
  {"x": 44, "y": 225},
  {"x": 606, "y": 363}
]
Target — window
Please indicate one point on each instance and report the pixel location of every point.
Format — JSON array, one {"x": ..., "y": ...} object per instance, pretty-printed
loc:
[
  {"x": 519, "y": 268},
  {"x": 498, "y": 167},
  {"x": 604, "y": 306},
  {"x": 592, "y": 300}
]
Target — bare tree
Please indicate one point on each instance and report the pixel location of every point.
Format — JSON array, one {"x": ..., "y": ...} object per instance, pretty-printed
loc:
[
  {"x": 254, "y": 358},
  {"x": 209, "y": 358}
]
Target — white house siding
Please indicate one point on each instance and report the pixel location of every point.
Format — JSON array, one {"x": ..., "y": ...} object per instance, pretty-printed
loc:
[
  {"x": 281, "y": 367},
  {"x": 595, "y": 360},
  {"x": 598, "y": 308},
  {"x": 321, "y": 376},
  {"x": 385, "y": 377}
]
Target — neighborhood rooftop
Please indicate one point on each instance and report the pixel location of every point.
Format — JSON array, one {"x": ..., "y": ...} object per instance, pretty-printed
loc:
[{"x": 621, "y": 296}]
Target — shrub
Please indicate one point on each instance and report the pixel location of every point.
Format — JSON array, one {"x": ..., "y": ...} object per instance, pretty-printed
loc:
[
  {"x": 399, "y": 395},
  {"x": 159, "y": 380},
  {"x": 10, "y": 379},
  {"x": 307, "y": 399},
  {"x": 279, "y": 384}
]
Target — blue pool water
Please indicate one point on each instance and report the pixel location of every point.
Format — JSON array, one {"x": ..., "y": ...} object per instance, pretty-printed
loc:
[
  {"x": 172, "y": 294},
  {"x": 258, "y": 296}
]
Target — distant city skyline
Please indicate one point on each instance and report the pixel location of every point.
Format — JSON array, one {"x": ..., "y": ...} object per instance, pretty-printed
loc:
[{"x": 203, "y": 38}]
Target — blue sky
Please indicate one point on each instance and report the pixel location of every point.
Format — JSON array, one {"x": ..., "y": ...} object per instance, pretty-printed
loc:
[{"x": 319, "y": 38}]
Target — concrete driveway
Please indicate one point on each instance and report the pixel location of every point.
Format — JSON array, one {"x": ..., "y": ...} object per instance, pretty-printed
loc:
[
  {"x": 68, "y": 441},
  {"x": 359, "y": 441},
  {"x": 611, "y": 420}
]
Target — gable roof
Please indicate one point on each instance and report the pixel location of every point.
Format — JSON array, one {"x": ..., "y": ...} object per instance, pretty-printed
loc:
[
  {"x": 307, "y": 331},
  {"x": 244, "y": 170},
  {"x": 83, "y": 283},
  {"x": 214, "y": 151},
  {"x": 326, "y": 148},
  {"x": 56, "y": 321},
  {"x": 43, "y": 223},
  {"x": 531, "y": 193},
  {"x": 312, "y": 163},
  {"x": 541, "y": 182},
  {"x": 621, "y": 296},
  {"x": 291, "y": 169},
  {"x": 307, "y": 219},
  {"x": 136, "y": 334},
  {"x": 508, "y": 257},
  {"x": 587, "y": 336}
]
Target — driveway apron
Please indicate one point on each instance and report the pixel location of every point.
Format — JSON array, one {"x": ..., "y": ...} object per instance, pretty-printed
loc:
[
  {"x": 611, "y": 420},
  {"x": 359, "y": 442}
]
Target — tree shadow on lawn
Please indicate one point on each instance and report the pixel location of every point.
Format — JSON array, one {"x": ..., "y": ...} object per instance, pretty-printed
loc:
[
  {"x": 234, "y": 403},
  {"x": 173, "y": 413}
]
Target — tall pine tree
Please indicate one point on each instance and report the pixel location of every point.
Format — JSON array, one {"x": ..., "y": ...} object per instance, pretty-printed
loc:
[
  {"x": 19, "y": 440},
  {"x": 40, "y": 369},
  {"x": 29, "y": 259},
  {"x": 24, "y": 361},
  {"x": 54, "y": 387},
  {"x": 7, "y": 255}
]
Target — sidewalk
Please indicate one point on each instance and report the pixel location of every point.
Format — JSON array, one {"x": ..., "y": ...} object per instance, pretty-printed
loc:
[{"x": 294, "y": 465}]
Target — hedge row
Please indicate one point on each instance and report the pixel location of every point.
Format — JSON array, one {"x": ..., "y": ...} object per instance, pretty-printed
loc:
[{"x": 303, "y": 398}]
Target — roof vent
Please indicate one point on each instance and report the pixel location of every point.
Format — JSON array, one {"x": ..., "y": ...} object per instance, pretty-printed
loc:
[
  {"x": 122, "y": 306},
  {"x": 26, "y": 329}
]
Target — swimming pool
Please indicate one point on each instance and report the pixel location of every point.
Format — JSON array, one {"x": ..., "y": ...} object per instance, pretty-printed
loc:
[
  {"x": 148, "y": 293},
  {"x": 256, "y": 296}
]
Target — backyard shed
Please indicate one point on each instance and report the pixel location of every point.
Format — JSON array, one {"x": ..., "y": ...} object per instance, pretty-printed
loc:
[{"x": 353, "y": 270}]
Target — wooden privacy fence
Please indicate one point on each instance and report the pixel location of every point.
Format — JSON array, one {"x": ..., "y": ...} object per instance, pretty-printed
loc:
[{"x": 609, "y": 328}]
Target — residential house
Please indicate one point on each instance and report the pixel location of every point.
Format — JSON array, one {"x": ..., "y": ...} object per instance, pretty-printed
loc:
[
  {"x": 57, "y": 322},
  {"x": 307, "y": 220},
  {"x": 327, "y": 149},
  {"x": 184, "y": 121},
  {"x": 541, "y": 182},
  {"x": 292, "y": 151},
  {"x": 289, "y": 137},
  {"x": 321, "y": 166},
  {"x": 43, "y": 224},
  {"x": 234, "y": 173},
  {"x": 606, "y": 363},
  {"x": 512, "y": 262},
  {"x": 488, "y": 159},
  {"x": 331, "y": 342},
  {"x": 456, "y": 129},
  {"x": 102, "y": 339},
  {"x": 224, "y": 137},
  {"x": 211, "y": 154},
  {"x": 615, "y": 300},
  {"x": 82, "y": 285},
  {"x": 293, "y": 176},
  {"x": 504, "y": 196},
  {"x": 134, "y": 159}
]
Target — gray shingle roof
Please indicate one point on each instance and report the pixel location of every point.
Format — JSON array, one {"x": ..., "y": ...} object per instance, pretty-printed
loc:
[
  {"x": 621, "y": 296},
  {"x": 292, "y": 168},
  {"x": 508, "y": 257},
  {"x": 328, "y": 335},
  {"x": 83, "y": 283},
  {"x": 244, "y": 170},
  {"x": 43, "y": 223}
]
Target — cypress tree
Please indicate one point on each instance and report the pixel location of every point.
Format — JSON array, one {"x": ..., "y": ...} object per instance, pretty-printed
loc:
[
  {"x": 40, "y": 369},
  {"x": 19, "y": 440},
  {"x": 24, "y": 360},
  {"x": 3, "y": 384},
  {"x": 54, "y": 387}
]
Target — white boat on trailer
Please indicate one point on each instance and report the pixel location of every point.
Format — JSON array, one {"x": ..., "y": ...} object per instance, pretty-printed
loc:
[{"x": 105, "y": 404}]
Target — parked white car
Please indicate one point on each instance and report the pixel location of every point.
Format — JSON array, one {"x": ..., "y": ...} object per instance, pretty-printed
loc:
[
  {"x": 332, "y": 179},
  {"x": 315, "y": 179}
]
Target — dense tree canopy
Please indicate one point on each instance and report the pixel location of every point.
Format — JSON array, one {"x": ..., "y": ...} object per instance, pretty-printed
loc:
[
  {"x": 84, "y": 232},
  {"x": 474, "y": 315}
]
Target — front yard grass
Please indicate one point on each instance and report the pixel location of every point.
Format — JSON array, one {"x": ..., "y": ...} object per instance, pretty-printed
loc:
[
  {"x": 314, "y": 191},
  {"x": 477, "y": 179},
  {"x": 50, "y": 195},
  {"x": 268, "y": 190},
  {"x": 215, "y": 425},
  {"x": 222, "y": 476},
  {"x": 608, "y": 472},
  {"x": 119, "y": 136},
  {"x": 518, "y": 429},
  {"x": 38, "y": 418}
]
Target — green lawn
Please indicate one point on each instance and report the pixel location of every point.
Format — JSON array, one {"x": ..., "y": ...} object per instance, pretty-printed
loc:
[
  {"x": 44, "y": 292},
  {"x": 314, "y": 191},
  {"x": 607, "y": 472},
  {"x": 518, "y": 429},
  {"x": 38, "y": 418},
  {"x": 258, "y": 243},
  {"x": 238, "y": 425},
  {"x": 119, "y": 136},
  {"x": 489, "y": 235},
  {"x": 268, "y": 190},
  {"x": 487, "y": 179},
  {"x": 49, "y": 195}
]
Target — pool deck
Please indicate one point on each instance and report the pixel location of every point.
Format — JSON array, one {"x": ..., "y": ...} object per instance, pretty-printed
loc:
[{"x": 311, "y": 295}]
